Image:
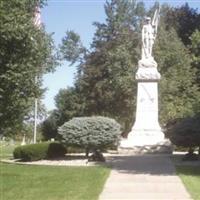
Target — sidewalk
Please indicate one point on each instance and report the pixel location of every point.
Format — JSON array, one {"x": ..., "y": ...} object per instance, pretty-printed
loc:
[{"x": 143, "y": 177}]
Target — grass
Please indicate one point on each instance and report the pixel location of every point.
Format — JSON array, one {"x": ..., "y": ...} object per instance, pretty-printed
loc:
[
  {"x": 190, "y": 176},
  {"x": 21, "y": 182},
  {"x": 26, "y": 182},
  {"x": 6, "y": 151}
]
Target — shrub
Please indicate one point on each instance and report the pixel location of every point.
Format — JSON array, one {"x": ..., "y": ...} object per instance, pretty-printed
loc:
[
  {"x": 184, "y": 132},
  {"x": 56, "y": 150},
  {"x": 33, "y": 152},
  {"x": 90, "y": 133}
]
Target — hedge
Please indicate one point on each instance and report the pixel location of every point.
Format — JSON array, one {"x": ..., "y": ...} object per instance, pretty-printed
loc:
[{"x": 39, "y": 151}]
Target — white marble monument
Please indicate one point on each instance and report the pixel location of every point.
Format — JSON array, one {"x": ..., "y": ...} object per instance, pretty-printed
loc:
[{"x": 146, "y": 134}]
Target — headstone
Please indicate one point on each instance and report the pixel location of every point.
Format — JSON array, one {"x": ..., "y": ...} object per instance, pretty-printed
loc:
[{"x": 23, "y": 141}]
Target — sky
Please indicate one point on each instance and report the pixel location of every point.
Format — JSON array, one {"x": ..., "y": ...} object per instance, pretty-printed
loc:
[{"x": 78, "y": 15}]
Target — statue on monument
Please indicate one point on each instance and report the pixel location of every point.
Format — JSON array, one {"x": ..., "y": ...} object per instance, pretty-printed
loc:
[{"x": 149, "y": 32}]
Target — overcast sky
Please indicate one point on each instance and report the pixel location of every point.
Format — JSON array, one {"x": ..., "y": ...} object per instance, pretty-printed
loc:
[{"x": 78, "y": 15}]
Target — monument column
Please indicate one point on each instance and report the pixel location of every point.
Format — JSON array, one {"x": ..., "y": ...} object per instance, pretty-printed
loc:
[{"x": 146, "y": 129}]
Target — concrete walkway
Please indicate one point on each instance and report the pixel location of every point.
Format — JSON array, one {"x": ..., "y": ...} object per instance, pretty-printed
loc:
[{"x": 143, "y": 177}]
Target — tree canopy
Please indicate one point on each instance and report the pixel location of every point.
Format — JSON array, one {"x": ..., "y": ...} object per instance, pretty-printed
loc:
[
  {"x": 178, "y": 92},
  {"x": 26, "y": 53},
  {"x": 185, "y": 20}
]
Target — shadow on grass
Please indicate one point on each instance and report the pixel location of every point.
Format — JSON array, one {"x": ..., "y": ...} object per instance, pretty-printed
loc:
[
  {"x": 178, "y": 160},
  {"x": 189, "y": 170}
]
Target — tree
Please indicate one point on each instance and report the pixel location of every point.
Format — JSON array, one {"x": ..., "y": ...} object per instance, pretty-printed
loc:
[
  {"x": 176, "y": 52},
  {"x": 26, "y": 52},
  {"x": 195, "y": 52},
  {"x": 184, "y": 20},
  {"x": 106, "y": 71},
  {"x": 49, "y": 126},
  {"x": 69, "y": 104},
  {"x": 179, "y": 95}
]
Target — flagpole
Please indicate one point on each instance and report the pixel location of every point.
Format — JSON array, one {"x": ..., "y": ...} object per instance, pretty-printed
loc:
[
  {"x": 37, "y": 22},
  {"x": 35, "y": 117}
]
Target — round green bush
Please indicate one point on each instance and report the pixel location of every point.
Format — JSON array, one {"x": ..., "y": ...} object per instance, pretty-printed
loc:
[
  {"x": 184, "y": 132},
  {"x": 39, "y": 151},
  {"x": 90, "y": 133}
]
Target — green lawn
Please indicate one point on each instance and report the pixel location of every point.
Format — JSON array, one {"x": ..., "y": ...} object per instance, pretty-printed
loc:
[
  {"x": 6, "y": 151},
  {"x": 24, "y": 182},
  {"x": 190, "y": 176},
  {"x": 21, "y": 182}
]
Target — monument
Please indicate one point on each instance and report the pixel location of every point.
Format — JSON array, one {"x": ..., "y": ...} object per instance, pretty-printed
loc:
[{"x": 146, "y": 134}]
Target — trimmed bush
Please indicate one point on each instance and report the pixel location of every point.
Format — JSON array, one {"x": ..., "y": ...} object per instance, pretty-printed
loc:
[
  {"x": 56, "y": 150},
  {"x": 184, "y": 132},
  {"x": 33, "y": 152},
  {"x": 90, "y": 133}
]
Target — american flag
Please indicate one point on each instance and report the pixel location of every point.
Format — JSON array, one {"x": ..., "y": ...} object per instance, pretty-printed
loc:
[{"x": 37, "y": 17}]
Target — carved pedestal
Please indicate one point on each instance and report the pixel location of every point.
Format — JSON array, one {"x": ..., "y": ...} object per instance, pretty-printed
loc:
[{"x": 146, "y": 135}]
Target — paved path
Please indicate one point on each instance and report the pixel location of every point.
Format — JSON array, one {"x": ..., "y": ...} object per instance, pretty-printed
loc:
[{"x": 143, "y": 177}]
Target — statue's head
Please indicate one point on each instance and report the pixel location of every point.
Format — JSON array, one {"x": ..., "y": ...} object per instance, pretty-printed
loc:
[{"x": 148, "y": 20}]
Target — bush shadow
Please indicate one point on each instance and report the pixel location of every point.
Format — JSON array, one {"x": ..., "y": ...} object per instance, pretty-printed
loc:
[{"x": 178, "y": 160}]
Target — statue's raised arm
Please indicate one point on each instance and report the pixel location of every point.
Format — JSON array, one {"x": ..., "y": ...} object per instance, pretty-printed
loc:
[{"x": 149, "y": 32}]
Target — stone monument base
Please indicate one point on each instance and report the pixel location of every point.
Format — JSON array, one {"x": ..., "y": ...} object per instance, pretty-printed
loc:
[{"x": 145, "y": 142}]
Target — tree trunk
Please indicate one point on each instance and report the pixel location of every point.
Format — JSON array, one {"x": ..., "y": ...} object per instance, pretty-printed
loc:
[
  {"x": 87, "y": 151},
  {"x": 191, "y": 150}
]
